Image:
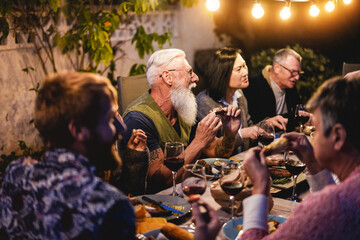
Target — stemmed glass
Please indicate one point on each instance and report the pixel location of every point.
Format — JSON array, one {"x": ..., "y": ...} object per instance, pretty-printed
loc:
[
  {"x": 174, "y": 159},
  {"x": 302, "y": 116},
  {"x": 295, "y": 167},
  {"x": 193, "y": 181},
  {"x": 266, "y": 133},
  {"x": 232, "y": 181}
]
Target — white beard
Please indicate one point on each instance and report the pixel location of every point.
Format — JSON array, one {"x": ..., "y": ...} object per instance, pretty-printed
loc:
[{"x": 184, "y": 102}]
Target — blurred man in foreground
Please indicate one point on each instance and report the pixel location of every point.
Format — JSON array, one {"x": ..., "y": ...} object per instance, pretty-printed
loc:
[
  {"x": 60, "y": 197},
  {"x": 168, "y": 113},
  {"x": 273, "y": 92},
  {"x": 332, "y": 210}
]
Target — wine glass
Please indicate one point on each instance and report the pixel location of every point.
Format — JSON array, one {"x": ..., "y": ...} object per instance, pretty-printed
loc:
[
  {"x": 193, "y": 181},
  {"x": 266, "y": 133},
  {"x": 295, "y": 167},
  {"x": 174, "y": 159},
  {"x": 232, "y": 181},
  {"x": 302, "y": 116}
]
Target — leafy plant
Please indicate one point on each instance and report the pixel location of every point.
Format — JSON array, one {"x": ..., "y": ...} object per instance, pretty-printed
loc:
[
  {"x": 317, "y": 68},
  {"x": 85, "y": 41}
]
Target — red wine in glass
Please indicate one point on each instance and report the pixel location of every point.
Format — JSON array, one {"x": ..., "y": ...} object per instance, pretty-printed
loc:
[
  {"x": 232, "y": 187},
  {"x": 295, "y": 167},
  {"x": 192, "y": 190},
  {"x": 265, "y": 139},
  {"x": 174, "y": 163}
]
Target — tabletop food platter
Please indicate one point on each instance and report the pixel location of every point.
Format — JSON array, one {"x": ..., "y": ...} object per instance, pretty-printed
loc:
[
  {"x": 171, "y": 201},
  {"x": 232, "y": 228},
  {"x": 213, "y": 166}
]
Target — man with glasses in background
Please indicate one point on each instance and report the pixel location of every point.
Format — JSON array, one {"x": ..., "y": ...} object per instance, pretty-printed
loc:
[
  {"x": 168, "y": 113},
  {"x": 273, "y": 92}
]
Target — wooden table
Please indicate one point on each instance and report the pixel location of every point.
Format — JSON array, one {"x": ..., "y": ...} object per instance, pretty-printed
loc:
[{"x": 281, "y": 207}]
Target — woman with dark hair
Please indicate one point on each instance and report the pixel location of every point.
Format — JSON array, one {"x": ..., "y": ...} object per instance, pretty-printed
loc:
[{"x": 227, "y": 74}]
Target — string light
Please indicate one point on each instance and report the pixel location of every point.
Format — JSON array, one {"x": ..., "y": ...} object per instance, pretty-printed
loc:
[
  {"x": 257, "y": 11},
  {"x": 285, "y": 13},
  {"x": 212, "y": 5},
  {"x": 314, "y": 10},
  {"x": 330, "y": 6}
]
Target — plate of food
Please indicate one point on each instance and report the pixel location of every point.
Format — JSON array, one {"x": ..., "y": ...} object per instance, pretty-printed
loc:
[
  {"x": 232, "y": 228},
  {"x": 177, "y": 203},
  {"x": 213, "y": 166}
]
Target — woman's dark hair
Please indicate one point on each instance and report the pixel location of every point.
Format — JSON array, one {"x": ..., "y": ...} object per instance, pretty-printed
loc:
[{"x": 219, "y": 71}]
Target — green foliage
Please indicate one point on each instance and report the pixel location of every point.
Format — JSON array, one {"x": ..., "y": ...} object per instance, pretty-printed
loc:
[
  {"x": 137, "y": 69},
  {"x": 317, "y": 68},
  {"x": 143, "y": 41}
]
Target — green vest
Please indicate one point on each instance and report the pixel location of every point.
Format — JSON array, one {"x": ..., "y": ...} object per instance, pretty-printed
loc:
[{"x": 146, "y": 105}]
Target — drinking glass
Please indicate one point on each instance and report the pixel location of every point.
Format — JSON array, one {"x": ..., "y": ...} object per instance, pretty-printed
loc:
[
  {"x": 174, "y": 160},
  {"x": 266, "y": 133},
  {"x": 295, "y": 167},
  {"x": 193, "y": 181},
  {"x": 302, "y": 116},
  {"x": 232, "y": 181}
]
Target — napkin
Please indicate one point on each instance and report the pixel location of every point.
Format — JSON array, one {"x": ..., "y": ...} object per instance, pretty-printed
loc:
[{"x": 223, "y": 199}]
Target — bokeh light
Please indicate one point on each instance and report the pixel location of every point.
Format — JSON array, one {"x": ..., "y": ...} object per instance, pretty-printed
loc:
[
  {"x": 314, "y": 10},
  {"x": 285, "y": 13},
  {"x": 257, "y": 11},
  {"x": 330, "y": 6},
  {"x": 212, "y": 5}
]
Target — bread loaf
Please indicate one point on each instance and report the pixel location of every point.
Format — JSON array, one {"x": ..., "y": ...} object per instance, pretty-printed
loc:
[{"x": 173, "y": 232}]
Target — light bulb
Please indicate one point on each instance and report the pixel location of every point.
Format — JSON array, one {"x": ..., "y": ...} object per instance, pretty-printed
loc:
[
  {"x": 212, "y": 5},
  {"x": 347, "y": 2},
  {"x": 285, "y": 13},
  {"x": 257, "y": 11},
  {"x": 314, "y": 10},
  {"x": 330, "y": 6}
]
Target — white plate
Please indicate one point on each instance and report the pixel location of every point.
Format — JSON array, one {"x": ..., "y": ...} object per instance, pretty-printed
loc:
[
  {"x": 230, "y": 231},
  {"x": 170, "y": 201},
  {"x": 214, "y": 170}
]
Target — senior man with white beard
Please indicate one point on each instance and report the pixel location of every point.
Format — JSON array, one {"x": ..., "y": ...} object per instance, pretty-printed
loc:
[{"x": 168, "y": 113}]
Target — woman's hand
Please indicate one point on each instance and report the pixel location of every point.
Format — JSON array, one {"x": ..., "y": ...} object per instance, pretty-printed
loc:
[
  {"x": 231, "y": 120},
  {"x": 300, "y": 145},
  {"x": 137, "y": 140},
  {"x": 207, "y": 223},
  {"x": 257, "y": 170}
]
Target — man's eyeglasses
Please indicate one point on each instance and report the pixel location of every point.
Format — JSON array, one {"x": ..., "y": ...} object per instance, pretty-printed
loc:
[
  {"x": 190, "y": 72},
  {"x": 292, "y": 72}
]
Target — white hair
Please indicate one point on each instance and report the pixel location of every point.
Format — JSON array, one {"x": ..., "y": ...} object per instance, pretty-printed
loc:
[{"x": 159, "y": 60}]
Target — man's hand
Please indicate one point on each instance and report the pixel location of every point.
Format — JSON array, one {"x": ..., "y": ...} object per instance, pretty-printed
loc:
[
  {"x": 137, "y": 140},
  {"x": 257, "y": 170},
  {"x": 231, "y": 120},
  {"x": 300, "y": 145},
  {"x": 278, "y": 121},
  {"x": 250, "y": 132},
  {"x": 207, "y": 223},
  {"x": 207, "y": 129}
]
